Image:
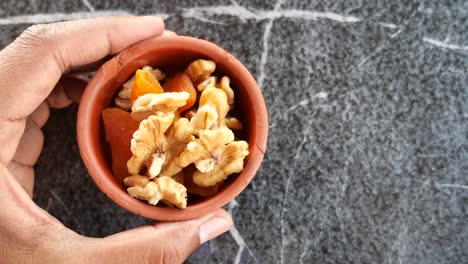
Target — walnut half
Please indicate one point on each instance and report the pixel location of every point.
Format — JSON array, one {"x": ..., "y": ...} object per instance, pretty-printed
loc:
[
  {"x": 157, "y": 143},
  {"x": 160, "y": 189},
  {"x": 224, "y": 84},
  {"x": 199, "y": 70},
  {"x": 149, "y": 104},
  {"x": 216, "y": 155},
  {"x": 146, "y": 141},
  {"x": 212, "y": 111}
]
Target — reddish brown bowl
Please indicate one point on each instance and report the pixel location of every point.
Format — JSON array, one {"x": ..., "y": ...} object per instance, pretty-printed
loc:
[{"x": 167, "y": 52}]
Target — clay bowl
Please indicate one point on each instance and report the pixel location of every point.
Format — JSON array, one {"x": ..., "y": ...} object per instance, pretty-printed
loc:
[{"x": 168, "y": 52}]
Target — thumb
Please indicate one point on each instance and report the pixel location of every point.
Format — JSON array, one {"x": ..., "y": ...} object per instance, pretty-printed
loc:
[{"x": 169, "y": 242}]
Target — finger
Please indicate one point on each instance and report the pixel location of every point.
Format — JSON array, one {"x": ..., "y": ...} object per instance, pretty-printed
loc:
[
  {"x": 90, "y": 67},
  {"x": 30, "y": 145},
  {"x": 10, "y": 136},
  {"x": 170, "y": 242},
  {"x": 26, "y": 230},
  {"x": 67, "y": 90},
  {"x": 41, "y": 114},
  {"x": 19, "y": 213},
  {"x": 24, "y": 175},
  {"x": 58, "y": 47}
]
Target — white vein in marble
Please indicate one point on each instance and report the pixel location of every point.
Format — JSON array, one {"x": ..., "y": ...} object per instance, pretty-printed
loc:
[
  {"x": 302, "y": 103},
  {"x": 88, "y": 5},
  {"x": 373, "y": 53},
  {"x": 444, "y": 45},
  {"x": 244, "y": 14},
  {"x": 398, "y": 32},
  {"x": 199, "y": 13},
  {"x": 288, "y": 182},
  {"x": 388, "y": 25},
  {"x": 320, "y": 95},
  {"x": 452, "y": 185},
  {"x": 401, "y": 243},
  {"x": 65, "y": 208},
  {"x": 266, "y": 36},
  {"x": 238, "y": 237},
  {"x": 41, "y": 18}
]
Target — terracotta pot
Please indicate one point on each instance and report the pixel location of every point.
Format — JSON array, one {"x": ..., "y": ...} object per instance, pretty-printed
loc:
[{"x": 168, "y": 52}]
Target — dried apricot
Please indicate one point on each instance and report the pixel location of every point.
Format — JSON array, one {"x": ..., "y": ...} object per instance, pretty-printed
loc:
[
  {"x": 182, "y": 83},
  {"x": 119, "y": 127},
  {"x": 144, "y": 83}
]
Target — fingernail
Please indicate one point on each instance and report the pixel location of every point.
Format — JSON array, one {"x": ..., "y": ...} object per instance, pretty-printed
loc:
[{"x": 213, "y": 227}]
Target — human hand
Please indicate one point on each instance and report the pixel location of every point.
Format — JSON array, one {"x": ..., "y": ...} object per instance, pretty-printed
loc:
[{"x": 31, "y": 67}]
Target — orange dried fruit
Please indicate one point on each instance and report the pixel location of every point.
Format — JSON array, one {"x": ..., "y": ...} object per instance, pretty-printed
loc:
[
  {"x": 144, "y": 83},
  {"x": 182, "y": 83},
  {"x": 119, "y": 127}
]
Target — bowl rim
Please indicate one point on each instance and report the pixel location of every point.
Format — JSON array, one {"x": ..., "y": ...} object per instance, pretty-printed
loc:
[{"x": 88, "y": 144}]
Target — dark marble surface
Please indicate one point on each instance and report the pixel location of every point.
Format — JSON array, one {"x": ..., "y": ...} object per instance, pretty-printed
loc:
[{"x": 367, "y": 159}]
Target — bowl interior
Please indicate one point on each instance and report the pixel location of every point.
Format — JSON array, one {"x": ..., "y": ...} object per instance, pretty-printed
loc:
[{"x": 170, "y": 55}]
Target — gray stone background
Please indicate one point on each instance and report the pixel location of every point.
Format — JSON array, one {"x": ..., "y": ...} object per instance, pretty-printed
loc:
[{"x": 368, "y": 104}]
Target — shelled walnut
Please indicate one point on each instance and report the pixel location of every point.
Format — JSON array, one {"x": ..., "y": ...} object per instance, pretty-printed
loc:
[
  {"x": 160, "y": 189},
  {"x": 149, "y": 104},
  {"x": 148, "y": 142},
  {"x": 216, "y": 155},
  {"x": 200, "y": 70},
  {"x": 212, "y": 111}
]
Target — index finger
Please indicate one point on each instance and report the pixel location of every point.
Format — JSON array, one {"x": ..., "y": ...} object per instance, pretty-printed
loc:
[{"x": 34, "y": 62}]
